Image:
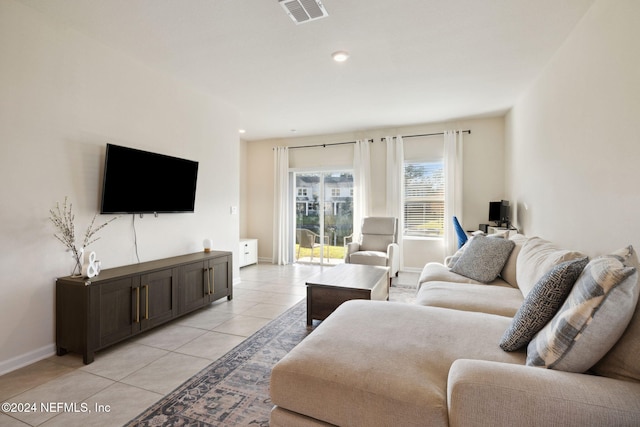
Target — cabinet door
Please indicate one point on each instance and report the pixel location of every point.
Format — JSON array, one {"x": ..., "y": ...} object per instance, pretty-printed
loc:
[
  {"x": 158, "y": 298},
  {"x": 251, "y": 254},
  {"x": 193, "y": 287},
  {"x": 220, "y": 278},
  {"x": 119, "y": 302}
]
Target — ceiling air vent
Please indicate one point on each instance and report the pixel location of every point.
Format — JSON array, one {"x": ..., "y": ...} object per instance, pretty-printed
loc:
[{"x": 302, "y": 11}]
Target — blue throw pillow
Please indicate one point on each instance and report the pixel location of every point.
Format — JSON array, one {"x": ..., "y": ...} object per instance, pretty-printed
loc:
[{"x": 462, "y": 236}]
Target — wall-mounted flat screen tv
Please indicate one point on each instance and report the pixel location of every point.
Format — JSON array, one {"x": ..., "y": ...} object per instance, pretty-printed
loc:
[{"x": 137, "y": 181}]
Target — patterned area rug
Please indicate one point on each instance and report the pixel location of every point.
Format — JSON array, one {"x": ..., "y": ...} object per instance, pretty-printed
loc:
[{"x": 234, "y": 390}]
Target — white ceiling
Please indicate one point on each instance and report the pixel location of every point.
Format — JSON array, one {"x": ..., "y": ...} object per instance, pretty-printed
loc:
[{"x": 412, "y": 61}]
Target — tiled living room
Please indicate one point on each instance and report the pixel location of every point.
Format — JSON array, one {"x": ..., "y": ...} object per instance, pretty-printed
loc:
[
  {"x": 542, "y": 95},
  {"x": 131, "y": 376}
]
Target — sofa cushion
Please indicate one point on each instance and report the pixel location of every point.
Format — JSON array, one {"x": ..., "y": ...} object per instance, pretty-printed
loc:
[
  {"x": 622, "y": 361},
  {"x": 542, "y": 303},
  {"x": 508, "y": 272},
  {"x": 592, "y": 319},
  {"x": 500, "y": 300},
  {"x": 380, "y": 363},
  {"x": 536, "y": 257},
  {"x": 436, "y": 272},
  {"x": 484, "y": 258}
]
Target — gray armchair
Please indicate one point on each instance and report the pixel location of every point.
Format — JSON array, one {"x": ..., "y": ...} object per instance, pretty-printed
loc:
[
  {"x": 308, "y": 239},
  {"x": 378, "y": 245}
]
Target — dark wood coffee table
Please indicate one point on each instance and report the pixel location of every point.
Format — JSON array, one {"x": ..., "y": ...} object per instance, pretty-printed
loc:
[{"x": 335, "y": 285}]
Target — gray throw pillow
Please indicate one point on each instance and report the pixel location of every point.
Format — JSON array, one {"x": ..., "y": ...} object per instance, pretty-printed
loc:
[
  {"x": 483, "y": 258},
  {"x": 591, "y": 320},
  {"x": 542, "y": 303},
  {"x": 451, "y": 261}
]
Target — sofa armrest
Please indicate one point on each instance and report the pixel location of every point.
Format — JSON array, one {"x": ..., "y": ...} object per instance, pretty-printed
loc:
[{"x": 499, "y": 394}]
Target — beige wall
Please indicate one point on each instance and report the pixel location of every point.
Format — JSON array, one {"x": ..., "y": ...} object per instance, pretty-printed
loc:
[
  {"x": 62, "y": 98},
  {"x": 483, "y": 181},
  {"x": 572, "y": 139}
]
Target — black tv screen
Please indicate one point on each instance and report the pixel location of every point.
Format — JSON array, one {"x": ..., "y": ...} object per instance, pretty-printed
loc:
[
  {"x": 498, "y": 211},
  {"x": 137, "y": 181}
]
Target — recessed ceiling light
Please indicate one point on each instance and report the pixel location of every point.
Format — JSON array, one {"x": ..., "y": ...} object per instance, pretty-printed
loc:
[
  {"x": 340, "y": 56},
  {"x": 242, "y": 131}
]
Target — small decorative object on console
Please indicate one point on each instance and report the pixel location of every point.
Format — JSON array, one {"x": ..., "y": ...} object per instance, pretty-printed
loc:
[
  {"x": 91, "y": 266},
  {"x": 63, "y": 220}
]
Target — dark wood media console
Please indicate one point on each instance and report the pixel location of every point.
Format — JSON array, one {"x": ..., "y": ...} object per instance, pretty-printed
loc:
[{"x": 92, "y": 314}]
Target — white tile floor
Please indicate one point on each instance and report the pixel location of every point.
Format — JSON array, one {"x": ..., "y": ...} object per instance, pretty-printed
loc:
[{"x": 127, "y": 378}]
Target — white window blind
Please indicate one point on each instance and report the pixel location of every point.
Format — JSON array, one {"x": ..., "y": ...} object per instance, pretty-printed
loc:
[{"x": 424, "y": 199}]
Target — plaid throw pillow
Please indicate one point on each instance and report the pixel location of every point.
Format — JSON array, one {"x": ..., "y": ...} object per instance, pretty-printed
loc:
[{"x": 592, "y": 319}]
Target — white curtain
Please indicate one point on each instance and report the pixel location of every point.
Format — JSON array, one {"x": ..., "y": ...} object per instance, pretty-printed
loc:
[
  {"x": 452, "y": 187},
  {"x": 361, "y": 185},
  {"x": 395, "y": 183},
  {"x": 282, "y": 217}
]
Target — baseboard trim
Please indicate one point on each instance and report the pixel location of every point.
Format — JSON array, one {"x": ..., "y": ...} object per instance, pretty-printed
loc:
[
  {"x": 411, "y": 270},
  {"x": 27, "y": 358}
]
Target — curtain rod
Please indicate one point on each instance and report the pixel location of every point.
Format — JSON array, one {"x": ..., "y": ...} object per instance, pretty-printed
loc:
[
  {"x": 370, "y": 140},
  {"x": 433, "y": 134},
  {"x": 326, "y": 145}
]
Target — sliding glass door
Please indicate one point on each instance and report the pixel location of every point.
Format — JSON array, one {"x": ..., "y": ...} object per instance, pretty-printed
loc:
[{"x": 324, "y": 216}]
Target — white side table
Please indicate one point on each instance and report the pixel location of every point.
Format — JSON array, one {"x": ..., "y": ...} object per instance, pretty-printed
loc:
[{"x": 248, "y": 253}]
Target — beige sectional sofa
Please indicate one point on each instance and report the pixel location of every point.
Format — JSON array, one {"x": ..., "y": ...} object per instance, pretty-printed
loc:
[{"x": 439, "y": 362}]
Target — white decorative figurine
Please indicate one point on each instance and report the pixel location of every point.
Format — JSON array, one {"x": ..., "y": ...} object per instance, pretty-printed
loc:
[{"x": 91, "y": 267}]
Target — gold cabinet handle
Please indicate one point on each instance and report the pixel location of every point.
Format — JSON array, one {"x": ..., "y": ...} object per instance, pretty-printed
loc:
[
  {"x": 146, "y": 305},
  {"x": 137, "y": 305},
  {"x": 213, "y": 280},
  {"x": 207, "y": 290}
]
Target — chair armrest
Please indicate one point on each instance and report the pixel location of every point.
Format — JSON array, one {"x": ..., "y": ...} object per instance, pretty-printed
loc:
[
  {"x": 393, "y": 252},
  {"x": 493, "y": 393},
  {"x": 351, "y": 248}
]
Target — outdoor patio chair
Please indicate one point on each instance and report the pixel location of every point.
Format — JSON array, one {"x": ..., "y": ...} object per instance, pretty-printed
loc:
[{"x": 308, "y": 239}]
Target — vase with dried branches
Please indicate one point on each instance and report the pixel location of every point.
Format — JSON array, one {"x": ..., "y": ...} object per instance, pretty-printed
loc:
[{"x": 63, "y": 220}]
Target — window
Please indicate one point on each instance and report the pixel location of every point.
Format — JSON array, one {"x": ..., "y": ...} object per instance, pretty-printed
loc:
[
  {"x": 302, "y": 192},
  {"x": 335, "y": 192},
  {"x": 424, "y": 199}
]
